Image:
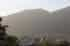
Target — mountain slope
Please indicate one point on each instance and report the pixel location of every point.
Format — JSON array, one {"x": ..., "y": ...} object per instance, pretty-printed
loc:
[
  {"x": 66, "y": 13},
  {"x": 22, "y": 21},
  {"x": 39, "y": 21}
]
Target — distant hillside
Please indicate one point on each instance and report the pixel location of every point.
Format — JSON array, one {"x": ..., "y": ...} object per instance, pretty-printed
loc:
[
  {"x": 39, "y": 21},
  {"x": 66, "y": 13},
  {"x": 22, "y": 21}
]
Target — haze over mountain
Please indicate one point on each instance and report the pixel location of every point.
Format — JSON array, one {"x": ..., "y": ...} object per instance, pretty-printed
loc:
[{"x": 40, "y": 21}]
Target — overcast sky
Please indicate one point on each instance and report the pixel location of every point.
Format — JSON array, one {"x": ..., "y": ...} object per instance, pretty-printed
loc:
[{"x": 12, "y": 6}]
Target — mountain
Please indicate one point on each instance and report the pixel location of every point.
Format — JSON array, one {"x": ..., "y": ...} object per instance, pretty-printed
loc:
[
  {"x": 21, "y": 23},
  {"x": 66, "y": 13},
  {"x": 39, "y": 21}
]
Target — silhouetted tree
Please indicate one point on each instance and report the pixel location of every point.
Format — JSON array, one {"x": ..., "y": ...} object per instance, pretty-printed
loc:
[{"x": 6, "y": 40}]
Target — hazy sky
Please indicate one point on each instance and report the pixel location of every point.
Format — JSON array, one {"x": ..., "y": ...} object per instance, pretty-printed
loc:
[{"x": 12, "y": 6}]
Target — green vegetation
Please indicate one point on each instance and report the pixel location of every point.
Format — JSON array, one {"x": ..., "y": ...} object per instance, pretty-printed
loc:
[
  {"x": 5, "y": 38},
  {"x": 12, "y": 41},
  {"x": 46, "y": 42},
  {"x": 57, "y": 43}
]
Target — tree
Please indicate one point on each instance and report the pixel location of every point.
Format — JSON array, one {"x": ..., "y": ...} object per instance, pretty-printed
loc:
[{"x": 5, "y": 38}]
